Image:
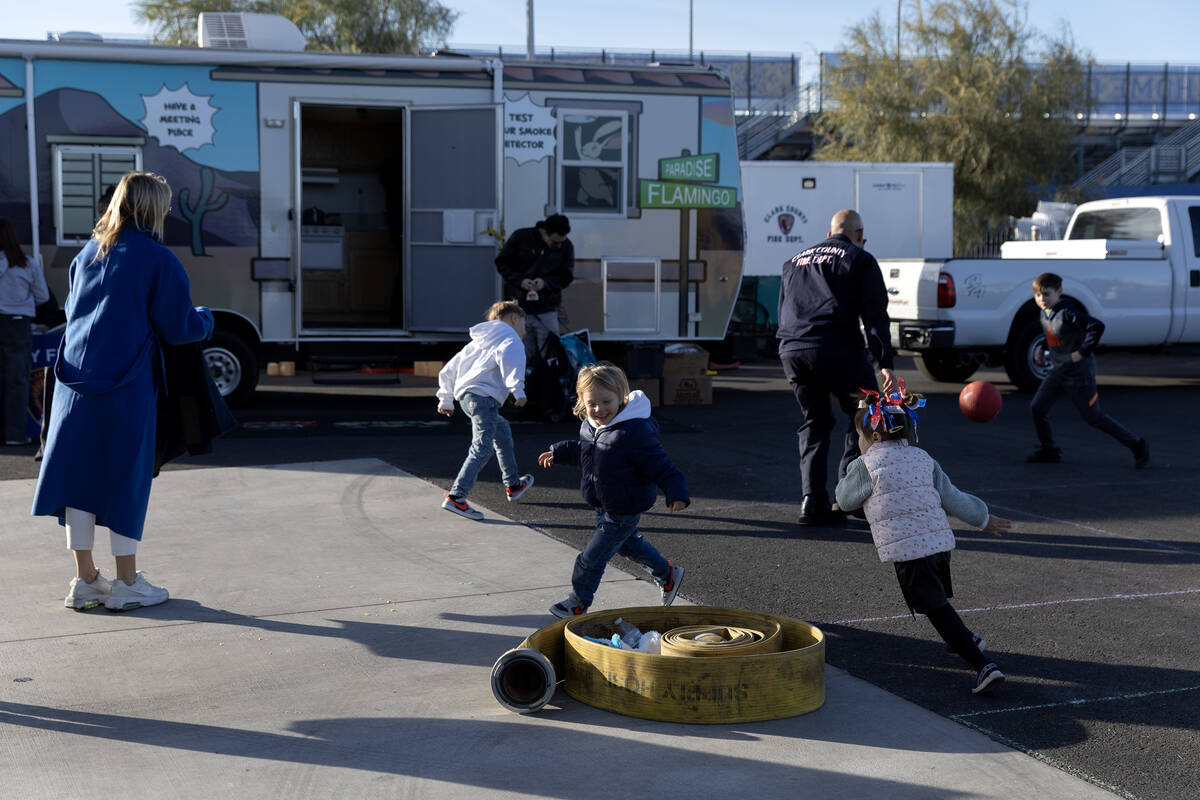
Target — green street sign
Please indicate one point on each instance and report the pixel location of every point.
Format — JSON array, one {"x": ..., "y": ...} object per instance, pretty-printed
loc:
[
  {"x": 669, "y": 194},
  {"x": 703, "y": 168}
]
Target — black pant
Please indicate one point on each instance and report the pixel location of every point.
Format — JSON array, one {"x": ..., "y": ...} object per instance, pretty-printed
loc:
[
  {"x": 16, "y": 350},
  {"x": 819, "y": 375},
  {"x": 1079, "y": 384}
]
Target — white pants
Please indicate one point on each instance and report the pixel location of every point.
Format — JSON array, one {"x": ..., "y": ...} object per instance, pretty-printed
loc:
[{"x": 81, "y": 534}]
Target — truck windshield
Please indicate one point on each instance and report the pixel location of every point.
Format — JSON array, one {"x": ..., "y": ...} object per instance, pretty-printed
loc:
[{"x": 1142, "y": 224}]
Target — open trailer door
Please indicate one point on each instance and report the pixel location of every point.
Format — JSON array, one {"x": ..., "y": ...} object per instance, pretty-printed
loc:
[{"x": 454, "y": 198}]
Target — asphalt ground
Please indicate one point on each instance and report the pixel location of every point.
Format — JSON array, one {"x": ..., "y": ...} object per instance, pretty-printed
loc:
[{"x": 1089, "y": 605}]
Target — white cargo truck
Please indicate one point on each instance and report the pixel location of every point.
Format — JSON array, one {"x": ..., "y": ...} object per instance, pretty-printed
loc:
[{"x": 908, "y": 209}]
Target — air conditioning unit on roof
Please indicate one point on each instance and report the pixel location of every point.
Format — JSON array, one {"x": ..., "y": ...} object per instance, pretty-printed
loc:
[{"x": 241, "y": 31}]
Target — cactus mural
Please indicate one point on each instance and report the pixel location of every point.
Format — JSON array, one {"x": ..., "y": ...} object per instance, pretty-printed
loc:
[{"x": 207, "y": 201}]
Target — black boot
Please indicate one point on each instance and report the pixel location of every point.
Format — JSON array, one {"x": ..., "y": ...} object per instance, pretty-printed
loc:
[
  {"x": 1045, "y": 455},
  {"x": 815, "y": 510}
]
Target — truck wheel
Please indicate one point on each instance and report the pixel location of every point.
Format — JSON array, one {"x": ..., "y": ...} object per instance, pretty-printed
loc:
[
  {"x": 948, "y": 367},
  {"x": 233, "y": 367},
  {"x": 1022, "y": 370}
]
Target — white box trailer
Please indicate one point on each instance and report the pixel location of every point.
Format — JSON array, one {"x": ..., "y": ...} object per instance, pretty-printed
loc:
[
  {"x": 907, "y": 208},
  {"x": 355, "y": 203}
]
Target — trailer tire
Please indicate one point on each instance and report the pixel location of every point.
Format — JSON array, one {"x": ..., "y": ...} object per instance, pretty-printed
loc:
[
  {"x": 1022, "y": 370},
  {"x": 945, "y": 366},
  {"x": 233, "y": 366}
]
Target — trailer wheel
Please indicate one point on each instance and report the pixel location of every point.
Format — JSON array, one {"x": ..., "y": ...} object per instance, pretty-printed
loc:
[
  {"x": 946, "y": 366},
  {"x": 233, "y": 367},
  {"x": 1022, "y": 370}
]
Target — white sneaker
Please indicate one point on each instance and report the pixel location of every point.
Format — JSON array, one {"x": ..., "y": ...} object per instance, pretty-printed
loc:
[
  {"x": 123, "y": 597},
  {"x": 82, "y": 596}
]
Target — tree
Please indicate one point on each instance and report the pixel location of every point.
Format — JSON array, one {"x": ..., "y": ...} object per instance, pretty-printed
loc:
[
  {"x": 348, "y": 26},
  {"x": 970, "y": 89}
]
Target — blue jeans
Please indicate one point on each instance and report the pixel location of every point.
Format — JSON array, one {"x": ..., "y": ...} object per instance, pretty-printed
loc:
[
  {"x": 489, "y": 431},
  {"x": 16, "y": 351},
  {"x": 1079, "y": 384},
  {"x": 615, "y": 534}
]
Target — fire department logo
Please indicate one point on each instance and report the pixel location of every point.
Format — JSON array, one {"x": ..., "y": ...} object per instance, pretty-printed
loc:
[{"x": 786, "y": 221}]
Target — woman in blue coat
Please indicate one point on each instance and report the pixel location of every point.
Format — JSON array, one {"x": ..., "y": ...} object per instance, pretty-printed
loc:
[{"x": 127, "y": 294}]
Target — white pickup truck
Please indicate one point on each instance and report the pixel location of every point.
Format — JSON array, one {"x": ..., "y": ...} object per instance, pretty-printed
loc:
[{"x": 1133, "y": 263}]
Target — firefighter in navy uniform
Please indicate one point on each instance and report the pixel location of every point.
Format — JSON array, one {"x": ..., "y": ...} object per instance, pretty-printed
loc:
[{"x": 826, "y": 290}]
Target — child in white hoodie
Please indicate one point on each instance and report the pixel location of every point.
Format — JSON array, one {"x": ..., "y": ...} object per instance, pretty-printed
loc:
[{"x": 480, "y": 377}]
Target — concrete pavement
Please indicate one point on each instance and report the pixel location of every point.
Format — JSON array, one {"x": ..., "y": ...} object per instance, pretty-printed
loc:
[{"x": 331, "y": 634}]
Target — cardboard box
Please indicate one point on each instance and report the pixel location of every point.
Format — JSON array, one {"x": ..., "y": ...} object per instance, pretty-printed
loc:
[
  {"x": 427, "y": 369},
  {"x": 687, "y": 390},
  {"x": 692, "y": 362},
  {"x": 651, "y": 386}
]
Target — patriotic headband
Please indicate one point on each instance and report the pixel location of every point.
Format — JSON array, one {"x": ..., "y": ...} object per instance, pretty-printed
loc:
[{"x": 881, "y": 409}]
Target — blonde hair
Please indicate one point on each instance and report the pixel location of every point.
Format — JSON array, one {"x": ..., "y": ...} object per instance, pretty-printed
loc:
[
  {"x": 141, "y": 199},
  {"x": 604, "y": 375},
  {"x": 504, "y": 309}
]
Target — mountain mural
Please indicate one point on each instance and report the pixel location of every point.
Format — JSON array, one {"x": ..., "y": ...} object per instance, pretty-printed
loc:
[{"x": 210, "y": 207}]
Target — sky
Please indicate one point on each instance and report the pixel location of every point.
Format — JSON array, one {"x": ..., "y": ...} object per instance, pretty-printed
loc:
[{"x": 1112, "y": 30}]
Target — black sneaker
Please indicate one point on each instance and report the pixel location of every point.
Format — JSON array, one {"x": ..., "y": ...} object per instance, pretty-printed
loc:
[
  {"x": 1141, "y": 453},
  {"x": 568, "y": 608},
  {"x": 989, "y": 676},
  {"x": 980, "y": 642},
  {"x": 1045, "y": 455}
]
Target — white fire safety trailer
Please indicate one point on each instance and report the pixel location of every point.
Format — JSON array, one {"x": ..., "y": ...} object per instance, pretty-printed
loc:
[{"x": 340, "y": 204}]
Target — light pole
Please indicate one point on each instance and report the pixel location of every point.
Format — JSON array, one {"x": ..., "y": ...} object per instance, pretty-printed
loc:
[
  {"x": 691, "y": 9},
  {"x": 529, "y": 30}
]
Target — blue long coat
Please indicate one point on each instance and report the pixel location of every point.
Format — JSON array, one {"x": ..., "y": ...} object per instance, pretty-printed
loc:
[{"x": 99, "y": 453}]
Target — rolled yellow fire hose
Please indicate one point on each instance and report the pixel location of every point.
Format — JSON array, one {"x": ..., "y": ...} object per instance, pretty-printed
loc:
[{"x": 718, "y": 665}]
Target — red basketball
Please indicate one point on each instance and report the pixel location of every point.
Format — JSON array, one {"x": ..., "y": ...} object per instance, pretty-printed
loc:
[{"x": 979, "y": 401}]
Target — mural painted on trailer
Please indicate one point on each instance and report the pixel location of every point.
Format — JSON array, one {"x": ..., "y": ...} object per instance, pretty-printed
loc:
[{"x": 200, "y": 134}]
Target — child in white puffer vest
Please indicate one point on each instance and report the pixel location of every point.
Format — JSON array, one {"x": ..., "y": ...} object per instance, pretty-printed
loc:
[{"x": 906, "y": 497}]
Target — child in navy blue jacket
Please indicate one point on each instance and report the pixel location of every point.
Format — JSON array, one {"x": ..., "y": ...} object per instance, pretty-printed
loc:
[
  {"x": 622, "y": 461},
  {"x": 1071, "y": 335}
]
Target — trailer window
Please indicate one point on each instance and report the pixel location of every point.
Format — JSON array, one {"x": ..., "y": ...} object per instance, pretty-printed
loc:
[
  {"x": 81, "y": 174},
  {"x": 593, "y": 163},
  {"x": 1194, "y": 219},
  {"x": 1142, "y": 224}
]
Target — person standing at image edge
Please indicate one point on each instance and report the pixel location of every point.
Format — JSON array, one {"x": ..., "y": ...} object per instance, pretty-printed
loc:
[
  {"x": 22, "y": 287},
  {"x": 537, "y": 264},
  {"x": 128, "y": 295},
  {"x": 825, "y": 291}
]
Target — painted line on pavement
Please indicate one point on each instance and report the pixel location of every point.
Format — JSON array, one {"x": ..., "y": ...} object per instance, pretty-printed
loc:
[
  {"x": 1078, "y": 702},
  {"x": 1039, "y": 604},
  {"x": 1094, "y": 529}
]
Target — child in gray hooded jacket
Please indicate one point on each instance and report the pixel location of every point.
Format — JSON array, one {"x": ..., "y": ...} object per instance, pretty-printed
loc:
[{"x": 480, "y": 377}]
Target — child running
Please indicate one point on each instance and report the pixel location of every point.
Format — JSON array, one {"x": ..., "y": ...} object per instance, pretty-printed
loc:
[
  {"x": 906, "y": 496},
  {"x": 480, "y": 377},
  {"x": 622, "y": 461},
  {"x": 1071, "y": 336}
]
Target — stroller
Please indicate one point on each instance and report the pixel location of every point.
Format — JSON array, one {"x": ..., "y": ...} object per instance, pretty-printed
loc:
[{"x": 550, "y": 378}]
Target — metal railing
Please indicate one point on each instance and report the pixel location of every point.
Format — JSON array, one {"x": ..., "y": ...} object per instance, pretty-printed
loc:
[
  {"x": 766, "y": 124},
  {"x": 1176, "y": 159}
]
